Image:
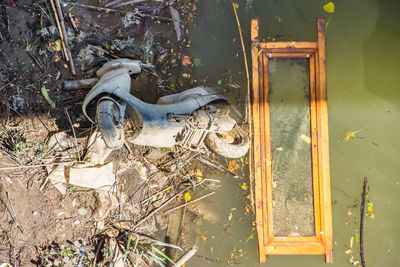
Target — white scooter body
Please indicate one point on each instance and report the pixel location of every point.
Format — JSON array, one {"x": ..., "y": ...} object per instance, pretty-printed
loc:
[{"x": 160, "y": 123}]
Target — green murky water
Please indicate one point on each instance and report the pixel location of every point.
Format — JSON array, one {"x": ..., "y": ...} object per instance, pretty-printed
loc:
[{"x": 363, "y": 41}]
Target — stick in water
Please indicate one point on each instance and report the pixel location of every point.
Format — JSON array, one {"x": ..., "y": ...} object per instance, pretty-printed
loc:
[
  {"x": 243, "y": 49},
  {"x": 362, "y": 222},
  {"x": 191, "y": 202}
]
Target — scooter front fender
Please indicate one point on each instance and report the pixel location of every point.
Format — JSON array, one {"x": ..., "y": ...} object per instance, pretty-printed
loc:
[{"x": 108, "y": 83}]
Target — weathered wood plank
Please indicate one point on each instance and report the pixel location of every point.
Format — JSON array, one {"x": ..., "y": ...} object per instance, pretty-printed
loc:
[
  {"x": 287, "y": 55},
  {"x": 314, "y": 146},
  {"x": 255, "y": 168},
  {"x": 326, "y": 212},
  {"x": 292, "y": 45},
  {"x": 266, "y": 154}
]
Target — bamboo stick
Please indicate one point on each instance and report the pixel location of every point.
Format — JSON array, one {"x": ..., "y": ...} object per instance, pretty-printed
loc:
[
  {"x": 59, "y": 30},
  {"x": 64, "y": 35}
]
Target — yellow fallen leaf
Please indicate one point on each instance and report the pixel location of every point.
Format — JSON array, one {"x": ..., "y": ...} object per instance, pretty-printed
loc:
[
  {"x": 348, "y": 251},
  {"x": 370, "y": 205},
  {"x": 203, "y": 237},
  {"x": 187, "y": 196},
  {"x": 351, "y": 241},
  {"x": 244, "y": 186},
  {"x": 372, "y": 216},
  {"x": 247, "y": 208},
  {"x": 279, "y": 19},
  {"x": 329, "y": 7},
  {"x": 198, "y": 174},
  {"x": 306, "y": 139},
  {"x": 233, "y": 166},
  {"x": 351, "y": 260}
]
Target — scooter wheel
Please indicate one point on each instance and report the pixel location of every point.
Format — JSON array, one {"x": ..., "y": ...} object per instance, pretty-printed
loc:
[
  {"x": 107, "y": 121},
  {"x": 237, "y": 149}
]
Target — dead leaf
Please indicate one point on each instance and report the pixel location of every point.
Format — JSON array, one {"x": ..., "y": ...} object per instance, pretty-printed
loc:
[
  {"x": 247, "y": 208},
  {"x": 230, "y": 216},
  {"x": 329, "y": 7},
  {"x": 278, "y": 19},
  {"x": 233, "y": 166},
  {"x": 187, "y": 196},
  {"x": 306, "y": 139},
  {"x": 370, "y": 205},
  {"x": 187, "y": 61},
  {"x": 244, "y": 186},
  {"x": 198, "y": 174}
]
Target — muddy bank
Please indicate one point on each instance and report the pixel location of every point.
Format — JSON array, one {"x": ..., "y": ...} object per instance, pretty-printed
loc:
[{"x": 41, "y": 226}]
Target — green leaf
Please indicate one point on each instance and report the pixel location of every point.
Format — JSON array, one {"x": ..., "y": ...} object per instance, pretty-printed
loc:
[
  {"x": 197, "y": 62},
  {"x": 70, "y": 9},
  {"x": 329, "y": 7},
  {"x": 162, "y": 254},
  {"x": 219, "y": 82},
  {"x": 157, "y": 259},
  {"x": 46, "y": 96},
  {"x": 160, "y": 243}
]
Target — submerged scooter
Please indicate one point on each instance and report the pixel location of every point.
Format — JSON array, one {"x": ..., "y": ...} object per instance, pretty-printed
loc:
[{"x": 195, "y": 119}]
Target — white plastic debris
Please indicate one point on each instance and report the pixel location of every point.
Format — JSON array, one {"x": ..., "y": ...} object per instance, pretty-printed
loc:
[{"x": 94, "y": 173}]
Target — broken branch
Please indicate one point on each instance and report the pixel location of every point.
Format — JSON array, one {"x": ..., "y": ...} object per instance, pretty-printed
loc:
[
  {"x": 160, "y": 207},
  {"x": 362, "y": 222}
]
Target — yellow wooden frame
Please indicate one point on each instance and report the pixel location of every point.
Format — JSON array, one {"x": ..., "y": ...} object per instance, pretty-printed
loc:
[{"x": 261, "y": 162}]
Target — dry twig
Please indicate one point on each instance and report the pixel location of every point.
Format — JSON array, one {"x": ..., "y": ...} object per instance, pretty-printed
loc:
[
  {"x": 362, "y": 222},
  {"x": 160, "y": 207},
  {"x": 243, "y": 49},
  {"x": 191, "y": 202}
]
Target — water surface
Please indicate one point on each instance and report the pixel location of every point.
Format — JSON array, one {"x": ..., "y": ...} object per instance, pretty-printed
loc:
[{"x": 363, "y": 40}]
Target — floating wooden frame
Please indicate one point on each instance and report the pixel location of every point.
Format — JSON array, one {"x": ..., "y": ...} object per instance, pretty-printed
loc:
[{"x": 261, "y": 161}]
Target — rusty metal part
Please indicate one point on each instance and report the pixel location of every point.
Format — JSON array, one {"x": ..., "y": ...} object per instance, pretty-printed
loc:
[{"x": 80, "y": 84}]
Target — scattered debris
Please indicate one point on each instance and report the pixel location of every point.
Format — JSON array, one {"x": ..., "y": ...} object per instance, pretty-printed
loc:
[{"x": 351, "y": 135}]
